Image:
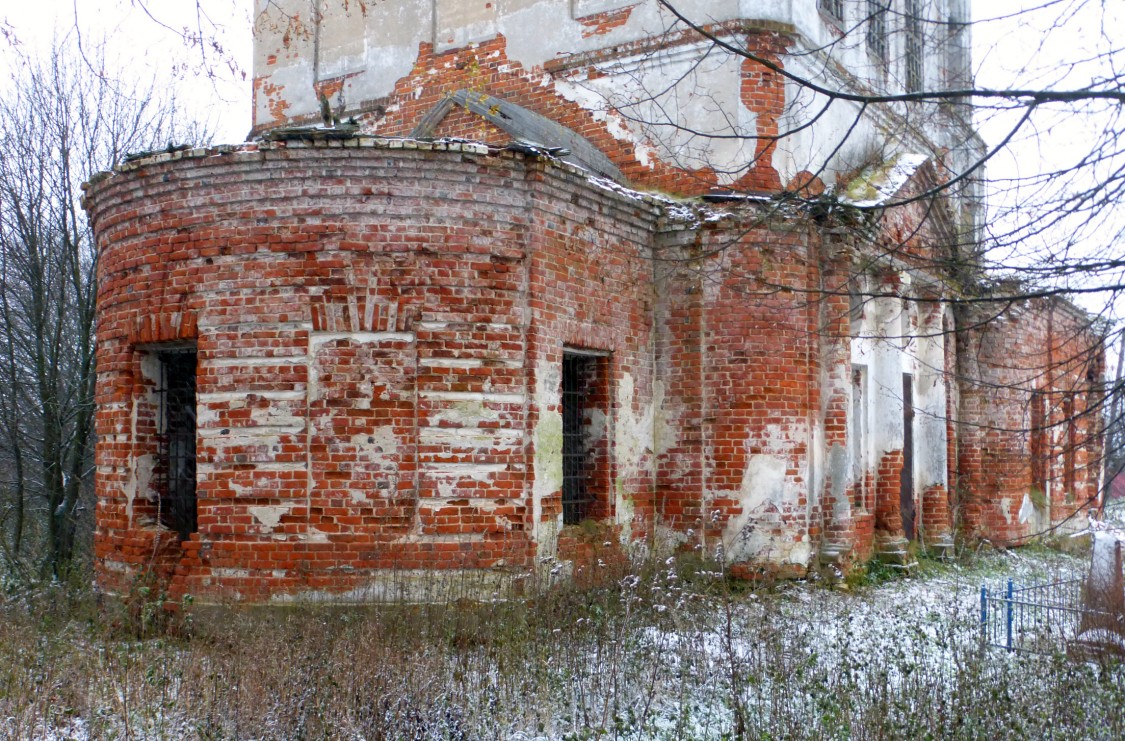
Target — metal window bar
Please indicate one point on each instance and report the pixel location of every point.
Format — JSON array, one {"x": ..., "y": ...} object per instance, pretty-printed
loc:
[
  {"x": 913, "y": 51},
  {"x": 1039, "y": 619},
  {"x": 577, "y": 496},
  {"x": 877, "y": 27},
  {"x": 176, "y": 437},
  {"x": 834, "y": 8}
]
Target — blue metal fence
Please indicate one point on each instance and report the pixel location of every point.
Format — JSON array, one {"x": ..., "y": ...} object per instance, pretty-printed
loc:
[{"x": 1039, "y": 618}]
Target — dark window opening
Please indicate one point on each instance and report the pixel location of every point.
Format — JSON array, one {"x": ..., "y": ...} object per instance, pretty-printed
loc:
[
  {"x": 1038, "y": 448},
  {"x": 906, "y": 492},
  {"x": 834, "y": 8},
  {"x": 1070, "y": 449},
  {"x": 913, "y": 52},
  {"x": 877, "y": 28},
  {"x": 585, "y": 442},
  {"x": 175, "y": 469}
]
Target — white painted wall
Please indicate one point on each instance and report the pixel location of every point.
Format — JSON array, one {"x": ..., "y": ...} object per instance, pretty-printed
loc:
[{"x": 674, "y": 106}]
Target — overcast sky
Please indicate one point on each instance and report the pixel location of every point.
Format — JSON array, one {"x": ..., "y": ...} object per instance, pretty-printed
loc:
[
  {"x": 1007, "y": 49},
  {"x": 137, "y": 43},
  {"x": 1010, "y": 49}
]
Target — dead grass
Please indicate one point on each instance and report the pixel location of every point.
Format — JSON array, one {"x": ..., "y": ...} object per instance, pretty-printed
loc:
[{"x": 660, "y": 654}]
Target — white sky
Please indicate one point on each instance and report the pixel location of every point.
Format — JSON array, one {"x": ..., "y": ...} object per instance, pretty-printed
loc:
[
  {"x": 1036, "y": 51},
  {"x": 1005, "y": 49},
  {"x": 1008, "y": 50},
  {"x": 214, "y": 93}
]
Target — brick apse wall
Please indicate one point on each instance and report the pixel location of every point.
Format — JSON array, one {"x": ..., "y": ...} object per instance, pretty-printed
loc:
[{"x": 366, "y": 346}]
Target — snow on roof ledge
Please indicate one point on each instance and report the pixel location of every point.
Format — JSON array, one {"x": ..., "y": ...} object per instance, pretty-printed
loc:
[{"x": 879, "y": 183}]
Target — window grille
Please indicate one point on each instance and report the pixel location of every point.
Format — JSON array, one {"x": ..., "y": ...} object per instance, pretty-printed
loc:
[
  {"x": 577, "y": 494},
  {"x": 877, "y": 27},
  {"x": 834, "y": 8},
  {"x": 1070, "y": 449},
  {"x": 176, "y": 436},
  {"x": 913, "y": 51},
  {"x": 1038, "y": 444}
]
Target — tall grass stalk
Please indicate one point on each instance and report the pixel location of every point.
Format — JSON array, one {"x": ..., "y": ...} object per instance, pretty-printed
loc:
[{"x": 667, "y": 652}]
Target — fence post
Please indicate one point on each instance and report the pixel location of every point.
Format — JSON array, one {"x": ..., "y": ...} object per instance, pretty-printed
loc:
[
  {"x": 984, "y": 612},
  {"x": 1009, "y": 613}
]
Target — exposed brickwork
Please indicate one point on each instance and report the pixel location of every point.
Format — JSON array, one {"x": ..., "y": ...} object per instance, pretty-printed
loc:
[
  {"x": 341, "y": 341},
  {"x": 1044, "y": 348},
  {"x": 888, "y": 485},
  {"x": 486, "y": 69},
  {"x": 380, "y": 334},
  {"x": 935, "y": 519},
  {"x": 595, "y": 553},
  {"x": 740, "y": 364}
]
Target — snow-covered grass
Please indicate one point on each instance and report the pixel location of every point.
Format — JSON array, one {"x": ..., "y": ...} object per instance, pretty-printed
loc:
[{"x": 672, "y": 652}]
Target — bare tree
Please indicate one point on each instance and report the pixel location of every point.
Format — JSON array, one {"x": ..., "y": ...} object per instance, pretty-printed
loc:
[
  {"x": 59, "y": 124},
  {"x": 893, "y": 78}
]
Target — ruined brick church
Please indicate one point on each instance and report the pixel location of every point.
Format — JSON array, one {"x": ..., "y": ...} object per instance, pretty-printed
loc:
[{"x": 501, "y": 285}]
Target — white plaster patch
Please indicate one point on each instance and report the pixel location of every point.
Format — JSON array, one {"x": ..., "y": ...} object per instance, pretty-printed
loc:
[
  {"x": 665, "y": 104},
  {"x": 764, "y": 530},
  {"x": 474, "y": 471},
  {"x": 634, "y": 433},
  {"x": 466, "y": 414},
  {"x": 664, "y": 436},
  {"x": 547, "y": 464},
  {"x": 474, "y": 437},
  {"x": 316, "y": 339},
  {"x": 208, "y": 468},
  {"x": 228, "y": 573},
  {"x": 140, "y": 479},
  {"x": 250, "y": 362},
  {"x": 1006, "y": 509},
  {"x": 269, "y": 516},
  {"x": 468, "y": 362},
  {"x": 1027, "y": 510},
  {"x": 379, "y": 441},
  {"x": 473, "y": 396}
]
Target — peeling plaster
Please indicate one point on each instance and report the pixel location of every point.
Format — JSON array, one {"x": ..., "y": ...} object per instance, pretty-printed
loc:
[
  {"x": 481, "y": 472},
  {"x": 839, "y": 470},
  {"x": 548, "y": 441},
  {"x": 765, "y": 530},
  {"x": 467, "y": 413},
  {"x": 380, "y": 442},
  {"x": 634, "y": 434},
  {"x": 689, "y": 140},
  {"x": 269, "y": 516},
  {"x": 1005, "y": 505},
  {"x": 665, "y": 435}
]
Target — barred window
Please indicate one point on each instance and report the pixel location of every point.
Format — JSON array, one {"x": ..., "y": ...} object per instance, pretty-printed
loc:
[
  {"x": 914, "y": 79},
  {"x": 585, "y": 403},
  {"x": 877, "y": 27},
  {"x": 834, "y": 8},
  {"x": 176, "y": 429}
]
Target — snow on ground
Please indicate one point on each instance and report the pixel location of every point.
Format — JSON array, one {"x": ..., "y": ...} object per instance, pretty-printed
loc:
[{"x": 677, "y": 655}]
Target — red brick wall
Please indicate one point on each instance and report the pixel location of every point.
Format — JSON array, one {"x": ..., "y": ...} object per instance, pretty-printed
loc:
[
  {"x": 590, "y": 273},
  {"x": 1037, "y": 346},
  {"x": 363, "y": 319},
  {"x": 380, "y": 334},
  {"x": 740, "y": 358}
]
